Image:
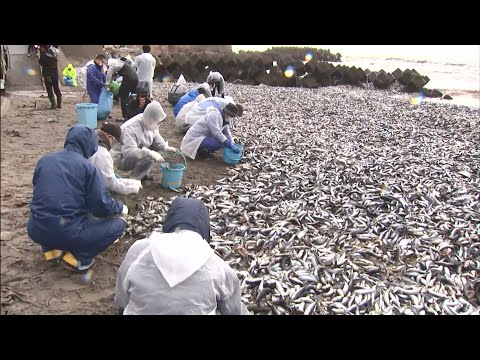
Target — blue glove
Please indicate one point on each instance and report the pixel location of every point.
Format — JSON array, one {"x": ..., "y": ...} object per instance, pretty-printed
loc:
[
  {"x": 236, "y": 149},
  {"x": 229, "y": 144}
]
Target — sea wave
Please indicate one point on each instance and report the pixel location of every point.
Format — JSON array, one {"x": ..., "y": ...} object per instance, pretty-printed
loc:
[{"x": 410, "y": 60}]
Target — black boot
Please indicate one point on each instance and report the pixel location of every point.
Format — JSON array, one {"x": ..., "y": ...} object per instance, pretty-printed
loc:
[
  {"x": 53, "y": 105},
  {"x": 59, "y": 102},
  {"x": 203, "y": 153}
]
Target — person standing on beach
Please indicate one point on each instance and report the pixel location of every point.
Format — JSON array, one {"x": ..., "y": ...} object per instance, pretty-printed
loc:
[
  {"x": 129, "y": 81},
  {"x": 145, "y": 67},
  {"x": 96, "y": 78},
  {"x": 49, "y": 63}
]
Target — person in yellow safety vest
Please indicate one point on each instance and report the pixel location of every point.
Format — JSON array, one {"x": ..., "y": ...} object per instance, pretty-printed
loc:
[{"x": 70, "y": 71}]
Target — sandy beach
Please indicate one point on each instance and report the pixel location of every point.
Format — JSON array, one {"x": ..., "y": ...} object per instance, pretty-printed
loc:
[{"x": 307, "y": 150}]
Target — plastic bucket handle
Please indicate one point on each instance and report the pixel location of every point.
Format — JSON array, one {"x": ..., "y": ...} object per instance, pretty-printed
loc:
[{"x": 184, "y": 160}]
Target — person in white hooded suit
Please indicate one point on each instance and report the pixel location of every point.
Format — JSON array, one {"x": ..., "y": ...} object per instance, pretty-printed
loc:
[
  {"x": 141, "y": 142},
  {"x": 212, "y": 131},
  {"x": 180, "y": 123},
  {"x": 176, "y": 272},
  {"x": 108, "y": 135}
]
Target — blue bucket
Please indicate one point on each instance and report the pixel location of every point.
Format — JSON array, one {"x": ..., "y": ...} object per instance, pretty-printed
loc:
[
  {"x": 172, "y": 173},
  {"x": 230, "y": 157},
  {"x": 67, "y": 81},
  {"x": 87, "y": 114}
]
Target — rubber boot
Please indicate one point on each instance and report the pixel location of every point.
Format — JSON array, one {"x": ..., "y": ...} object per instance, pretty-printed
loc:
[
  {"x": 70, "y": 262},
  {"x": 52, "y": 256},
  {"x": 59, "y": 102},
  {"x": 53, "y": 105}
]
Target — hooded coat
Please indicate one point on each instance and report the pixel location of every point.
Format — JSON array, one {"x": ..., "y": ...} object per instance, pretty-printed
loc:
[
  {"x": 177, "y": 273},
  {"x": 66, "y": 188},
  {"x": 70, "y": 71},
  {"x": 180, "y": 123},
  {"x": 190, "y": 96},
  {"x": 137, "y": 138}
]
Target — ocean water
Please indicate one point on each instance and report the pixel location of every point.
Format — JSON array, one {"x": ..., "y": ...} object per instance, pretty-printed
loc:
[
  {"x": 461, "y": 80},
  {"x": 452, "y": 69}
]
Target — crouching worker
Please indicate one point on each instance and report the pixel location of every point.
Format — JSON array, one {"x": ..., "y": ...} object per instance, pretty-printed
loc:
[
  {"x": 210, "y": 133},
  {"x": 67, "y": 188},
  {"x": 176, "y": 272},
  {"x": 109, "y": 135},
  {"x": 180, "y": 120},
  {"x": 141, "y": 141},
  {"x": 70, "y": 76},
  {"x": 217, "y": 83},
  {"x": 138, "y": 102},
  {"x": 191, "y": 96}
]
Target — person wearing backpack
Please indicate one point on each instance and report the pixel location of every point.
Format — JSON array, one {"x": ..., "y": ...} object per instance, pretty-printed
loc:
[{"x": 129, "y": 81}]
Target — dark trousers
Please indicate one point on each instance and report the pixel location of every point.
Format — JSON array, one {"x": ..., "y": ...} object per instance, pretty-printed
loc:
[
  {"x": 126, "y": 88},
  {"x": 95, "y": 238},
  {"x": 209, "y": 145},
  {"x": 51, "y": 84}
]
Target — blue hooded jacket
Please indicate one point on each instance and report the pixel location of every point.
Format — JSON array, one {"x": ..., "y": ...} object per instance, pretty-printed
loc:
[
  {"x": 95, "y": 80},
  {"x": 66, "y": 187},
  {"x": 185, "y": 99}
]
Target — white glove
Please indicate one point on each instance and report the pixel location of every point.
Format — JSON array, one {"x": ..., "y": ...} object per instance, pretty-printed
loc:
[
  {"x": 171, "y": 148},
  {"x": 125, "y": 210},
  {"x": 138, "y": 185},
  {"x": 156, "y": 156},
  {"x": 146, "y": 151}
]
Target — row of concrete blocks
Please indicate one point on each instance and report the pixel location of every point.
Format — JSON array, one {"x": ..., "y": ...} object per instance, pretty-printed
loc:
[{"x": 252, "y": 69}]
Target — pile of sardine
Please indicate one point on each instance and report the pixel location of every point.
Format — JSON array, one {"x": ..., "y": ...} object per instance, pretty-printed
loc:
[
  {"x": 348, "y": 201},
  {"x": 149, "y": 216}
]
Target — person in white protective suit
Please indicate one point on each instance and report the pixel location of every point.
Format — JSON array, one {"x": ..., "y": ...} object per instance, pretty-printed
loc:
[
  {"x": 108, "y": 135},
  {"x": 180, "y": 124},
  {"x": 144, "y": 65},
  {"x": 140, "y": 142},
  {"x": 217, "y": 83},
  {"x": 200, "y": 109},
  {"x": 176, "y": 272},
  {"x": 210, "y": 132}
]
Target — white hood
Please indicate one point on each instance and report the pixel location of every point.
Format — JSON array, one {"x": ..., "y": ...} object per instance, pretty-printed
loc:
[{"x": 179, "y": 255}]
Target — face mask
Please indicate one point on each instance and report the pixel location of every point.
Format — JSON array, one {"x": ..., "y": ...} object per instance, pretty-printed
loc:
[
  {"x": 113, "y": 141},
  {"x": 152, "y": 126}
]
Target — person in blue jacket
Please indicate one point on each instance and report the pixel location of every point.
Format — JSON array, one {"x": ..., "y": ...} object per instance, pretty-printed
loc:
[
  {"x": 96, "y": 78},
  {"x": 67, "y": 190},
  {"x": 191, "y": 96}
]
